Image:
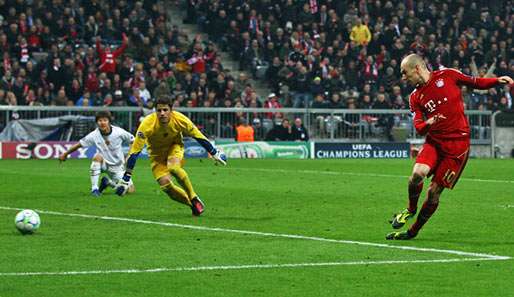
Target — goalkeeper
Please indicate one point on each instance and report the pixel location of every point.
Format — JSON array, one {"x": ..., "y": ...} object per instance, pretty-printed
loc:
[{"x": 162, "y": 132}]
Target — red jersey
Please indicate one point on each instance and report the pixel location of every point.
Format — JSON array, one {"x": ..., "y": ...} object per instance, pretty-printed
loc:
[
  {"x": 197, "y": 63},
  {"x": 108, "y": 58},
  {"x": 441, "y": 95}
]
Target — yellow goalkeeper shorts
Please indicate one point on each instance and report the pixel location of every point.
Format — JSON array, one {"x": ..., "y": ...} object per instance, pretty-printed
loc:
[{"x": 159, "y": 162}]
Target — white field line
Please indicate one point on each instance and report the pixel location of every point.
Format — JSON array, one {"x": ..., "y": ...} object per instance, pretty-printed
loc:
[
  {"x": 274, "y": 170},
  {"x": 268, "y": 234},
  {"x": 241, "y": 267}
]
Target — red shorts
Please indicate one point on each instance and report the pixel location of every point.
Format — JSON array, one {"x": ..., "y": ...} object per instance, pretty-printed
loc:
[{"x": 446, "y": 159}]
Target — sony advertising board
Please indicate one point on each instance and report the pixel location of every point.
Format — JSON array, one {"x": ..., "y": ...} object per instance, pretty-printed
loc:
[{"x": 53, "y": 149}]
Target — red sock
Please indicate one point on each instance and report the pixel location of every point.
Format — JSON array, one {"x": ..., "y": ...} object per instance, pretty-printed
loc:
[
  {"x": 414, "y": 192},
  {"x": 424, "y": 214}
]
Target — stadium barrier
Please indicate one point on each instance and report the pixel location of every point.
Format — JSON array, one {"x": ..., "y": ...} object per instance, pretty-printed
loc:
[
  {"x": 366, "y": 125},
  {"x": 328, "y": 125},
  {"x": 502, "y": 138}
]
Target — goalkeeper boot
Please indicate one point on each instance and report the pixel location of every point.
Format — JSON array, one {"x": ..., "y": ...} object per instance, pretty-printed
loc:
[
  {"x": 104, "y": 183},
  {"x": 401, "y": 218},
  {"x": 96, "y": 193},
  {"x": 197, "y": 206},
  {"x": 400, "y": 235}
]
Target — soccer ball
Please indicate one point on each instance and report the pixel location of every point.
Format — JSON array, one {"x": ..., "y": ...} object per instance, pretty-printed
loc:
[{"x": 27, "y": 221}]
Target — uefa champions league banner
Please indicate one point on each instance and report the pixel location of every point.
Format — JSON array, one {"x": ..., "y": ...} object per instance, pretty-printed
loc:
[
  {"x": 258, "y": 149},
  {"x": 263, "y": 149},
  {"x": 53, "y": 149},
  {"x": 339, "y": 150}
]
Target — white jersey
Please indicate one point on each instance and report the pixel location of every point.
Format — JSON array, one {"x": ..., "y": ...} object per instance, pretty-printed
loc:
[{"x": 109, "y": 146}]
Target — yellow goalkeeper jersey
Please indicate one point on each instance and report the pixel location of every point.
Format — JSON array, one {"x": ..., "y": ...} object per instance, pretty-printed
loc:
[{"x": 159, "y": 138}]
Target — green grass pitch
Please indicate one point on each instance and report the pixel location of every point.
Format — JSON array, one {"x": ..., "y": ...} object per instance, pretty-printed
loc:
[{"x": 271, "y": 228}]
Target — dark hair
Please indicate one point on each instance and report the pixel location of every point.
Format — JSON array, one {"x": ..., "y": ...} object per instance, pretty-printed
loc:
[
  {"x": 103, "y": 114},
  {"x": 165, "y": 99}
]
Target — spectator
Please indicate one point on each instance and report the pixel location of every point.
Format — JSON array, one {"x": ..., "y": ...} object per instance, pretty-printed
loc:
[
  {"x": 282, "y": 132},
  {"x": 75, "y": 90},
  {"x": 299, "y": 132},
  {"x": 85, "y": 100},
  {"x": 3, "y": 97},
  {"x": 258, "y": 128},
  {"x": 56, "y": 75},
  {"x": 272, "y": 102},
  {"x": 335, "y": 101},
  {"x": 107, "y": 100},
  {"x": 302, "y": 96},
  {"x": 61, "y": 99},
  {"x": 360, "y": 33},
  {"x": 503, "y": 104},
  {"x": 384, "y": 120},
  {"x": 108, "y": 58},
  {"x": 480, "y": 96},
  {"x": 118, "y": 99},
  {"x": 320, "y": 102},
  {"x": 143, "y": 92},
  {"x": 244, "y": 132},
  {"x": 316, "y": 88}
]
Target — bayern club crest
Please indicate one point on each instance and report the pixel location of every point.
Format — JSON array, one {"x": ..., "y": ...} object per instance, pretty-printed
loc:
[{"x": 439, "y": 83}]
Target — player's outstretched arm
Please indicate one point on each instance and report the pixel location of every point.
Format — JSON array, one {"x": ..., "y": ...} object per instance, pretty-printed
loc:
[
  {"x": 218, "y": 156},
  {"x": 189, "y": 129},
  {"x": 64, "y": 155},
  {"x": 479, "y": 82}
]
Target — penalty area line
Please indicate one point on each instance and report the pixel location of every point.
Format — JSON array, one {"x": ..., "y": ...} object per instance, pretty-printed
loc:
[
  {"x": 269, "y": 234},
  {"x": 241, "y": 267}
]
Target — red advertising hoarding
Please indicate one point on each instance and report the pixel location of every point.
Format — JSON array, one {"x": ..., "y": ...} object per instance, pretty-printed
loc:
[{"x": 41, "y": 150}]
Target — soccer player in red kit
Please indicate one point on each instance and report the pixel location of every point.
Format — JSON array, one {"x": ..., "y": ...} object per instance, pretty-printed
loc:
[{"x": 439, "y": 114}]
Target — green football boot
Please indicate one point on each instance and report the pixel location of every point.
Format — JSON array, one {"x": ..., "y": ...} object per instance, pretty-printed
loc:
[
  {"x": 401, "y": 218},
  {"x": 400, "y": 235}
]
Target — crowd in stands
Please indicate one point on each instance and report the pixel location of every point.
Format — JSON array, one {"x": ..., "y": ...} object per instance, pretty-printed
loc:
[
  {"x": 344, "y": 54},
  {"x": 103, "y": 53},
  {"x": 312, "y": 53}
]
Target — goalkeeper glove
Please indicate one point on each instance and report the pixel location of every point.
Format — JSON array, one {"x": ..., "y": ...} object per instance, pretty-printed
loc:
[
  {"x": 123, "y": 185},
  {"x": 220, "y": 157}
]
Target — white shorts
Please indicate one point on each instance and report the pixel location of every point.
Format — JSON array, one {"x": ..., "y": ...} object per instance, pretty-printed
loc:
[{"x": 115, "y": 172}]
